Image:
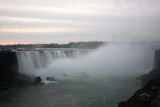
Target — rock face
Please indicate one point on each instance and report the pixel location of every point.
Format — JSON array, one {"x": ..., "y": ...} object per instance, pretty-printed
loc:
[
  {"x": 9, "y": 75},
  {"x": 8, "y": 65}
]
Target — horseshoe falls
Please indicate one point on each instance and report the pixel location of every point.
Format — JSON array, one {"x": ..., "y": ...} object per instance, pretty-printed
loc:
[
  {"x": 111, "y": 60},
  {"x": 80, "y": 77}
]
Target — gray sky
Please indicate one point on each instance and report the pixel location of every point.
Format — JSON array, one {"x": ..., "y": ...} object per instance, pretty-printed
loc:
[{"x": 62, "y": 21}]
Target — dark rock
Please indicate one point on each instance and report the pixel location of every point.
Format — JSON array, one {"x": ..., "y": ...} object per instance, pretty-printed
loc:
[
  {"x": 145, "y": 97},
  {"x": 38, "y": 80},
  {"x": 8, "y": 65},
  {"x": 50, "y": 79}
]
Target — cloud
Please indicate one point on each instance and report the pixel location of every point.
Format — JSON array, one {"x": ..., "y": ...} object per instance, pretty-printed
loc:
[
  {"x": 99, "y": 7},
  {"x": 81, "y": 19},
  {"x": 38, "y": 30}
]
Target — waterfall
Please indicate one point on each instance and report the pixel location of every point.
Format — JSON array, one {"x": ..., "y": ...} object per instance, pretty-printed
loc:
[
  {"x": 31, "y": 60},
  {"x": 149, "y": 61},
  {"x": 112, "y": 60}
]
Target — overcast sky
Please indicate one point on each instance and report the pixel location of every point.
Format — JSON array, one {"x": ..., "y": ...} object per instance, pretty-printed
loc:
[{"x": 63, "y": 21}]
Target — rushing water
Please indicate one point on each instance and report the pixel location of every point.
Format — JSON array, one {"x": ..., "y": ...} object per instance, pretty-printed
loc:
[{"x": 30, "y": 61}]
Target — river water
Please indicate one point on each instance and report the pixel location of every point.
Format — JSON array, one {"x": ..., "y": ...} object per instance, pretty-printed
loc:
[{"x": 72, "y": 93}]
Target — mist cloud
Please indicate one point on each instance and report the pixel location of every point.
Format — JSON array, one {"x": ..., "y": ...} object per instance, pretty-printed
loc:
[{"x": 112, "y": 60}]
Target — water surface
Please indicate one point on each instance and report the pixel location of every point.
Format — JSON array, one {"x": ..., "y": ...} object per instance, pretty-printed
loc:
[{"x": 72, "y": 93}]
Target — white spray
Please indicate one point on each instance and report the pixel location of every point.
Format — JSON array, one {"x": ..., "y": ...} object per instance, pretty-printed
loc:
[{"x": 112, "y": 60}]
